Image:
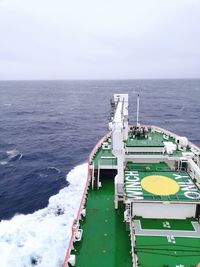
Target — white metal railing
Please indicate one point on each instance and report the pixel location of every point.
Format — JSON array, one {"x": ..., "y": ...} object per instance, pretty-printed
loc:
[
  {"x": 172, "y": 134},
  {"x": 194, "y": 170},
  {"x": 93, "y": 175},
  {"x": 98, "y": 175},
  {"x": 132, "y": 235}
]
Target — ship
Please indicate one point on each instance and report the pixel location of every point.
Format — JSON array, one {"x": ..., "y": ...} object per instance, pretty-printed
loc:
[{"x": 141, "y": 202}]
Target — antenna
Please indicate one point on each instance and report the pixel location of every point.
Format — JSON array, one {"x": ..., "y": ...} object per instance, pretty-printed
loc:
[{"x": 138, "y": 106}]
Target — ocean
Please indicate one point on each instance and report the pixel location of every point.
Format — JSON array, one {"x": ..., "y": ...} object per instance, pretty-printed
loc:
[{"x": 47, "y": 129}]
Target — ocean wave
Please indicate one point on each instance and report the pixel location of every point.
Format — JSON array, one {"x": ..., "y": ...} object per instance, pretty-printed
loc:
[
  {"x": 7, "y": 104},
  {"x": 55, "y": 169},
  {"x": 14, "y": 154},
  {"x": 3, "y": 162},
  {"x": 40, "y": 239}
]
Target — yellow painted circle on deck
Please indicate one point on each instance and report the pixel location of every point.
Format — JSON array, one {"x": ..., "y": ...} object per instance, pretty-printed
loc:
[{"x": 159, "y": 185}]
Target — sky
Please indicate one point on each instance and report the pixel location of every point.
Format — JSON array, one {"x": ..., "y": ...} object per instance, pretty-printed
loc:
[{"x": 99, "y": 39}]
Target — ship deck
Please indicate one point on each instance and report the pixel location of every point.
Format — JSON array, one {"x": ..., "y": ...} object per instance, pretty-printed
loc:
[
  {"x": 167, "y": 242},
  {"x": 105, "y": 241},
  {"x": 154, "y": 188},
  {"x": 153, "y": 140},
  {"x": 104, "y": 156},
  {"x": 157, "y": 182}
]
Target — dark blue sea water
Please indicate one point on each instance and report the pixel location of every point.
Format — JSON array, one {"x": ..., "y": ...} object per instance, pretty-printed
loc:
[{"x": 48, "y": 127}]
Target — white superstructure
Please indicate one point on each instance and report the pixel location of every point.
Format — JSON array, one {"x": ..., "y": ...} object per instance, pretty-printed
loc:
[{"x": 119, "y": 128}]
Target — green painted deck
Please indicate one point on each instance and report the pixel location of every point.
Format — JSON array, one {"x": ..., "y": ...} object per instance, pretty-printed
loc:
[
  {"x": 104, "y": 154},
  {"x": 105, "y": 242},
  {"x": 161, "y": 251},
  {"x": 104, "y": 157},
  {"x": 166, "y": 224},
  {"x": 188, "y": 191},
  {"x": 161, "y": 166},
  {"x": 156, "y": 140}
]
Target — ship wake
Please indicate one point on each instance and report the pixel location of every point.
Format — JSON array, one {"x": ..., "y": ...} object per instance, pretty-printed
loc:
[{"x": 40, "y": 239}]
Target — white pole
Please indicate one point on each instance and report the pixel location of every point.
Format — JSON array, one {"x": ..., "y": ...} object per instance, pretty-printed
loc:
[{"x": 138, "y": 106}]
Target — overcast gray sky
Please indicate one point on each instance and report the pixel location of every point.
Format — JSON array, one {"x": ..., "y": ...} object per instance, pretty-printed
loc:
[{"x": 90, "y": 39}]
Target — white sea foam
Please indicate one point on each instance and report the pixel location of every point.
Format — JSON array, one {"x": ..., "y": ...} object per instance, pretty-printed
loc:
[
  {"x": 13, "y": 153},
  {"x": 7, "y": 104},
  {"x": 44, "y": 235},
  {"x": 3, "y": 162}
]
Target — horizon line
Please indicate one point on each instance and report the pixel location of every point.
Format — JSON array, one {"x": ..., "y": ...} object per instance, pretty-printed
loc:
[{"x": 98, "y": 79}]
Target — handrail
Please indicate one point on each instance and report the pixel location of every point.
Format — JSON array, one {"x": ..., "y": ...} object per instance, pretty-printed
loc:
[
  {"x": 70, "y": 245},
  {"x": 75, "y": 222},
  {"x": 172, "y": 133},
  {"x": 97, "y": 146},
  {"x": 134, "y": 259}
]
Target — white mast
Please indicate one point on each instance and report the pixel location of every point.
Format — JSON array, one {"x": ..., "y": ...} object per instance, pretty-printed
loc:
[{"x": 138, "y": 106}]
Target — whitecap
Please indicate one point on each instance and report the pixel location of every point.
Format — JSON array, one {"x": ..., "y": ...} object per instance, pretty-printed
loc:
[
  {"x": 12, "y": 153},
  {"x": 8, "y": 104},
  {"x": 3, "y": 162},
  {"x": 41, "y": 238}
]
